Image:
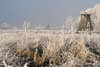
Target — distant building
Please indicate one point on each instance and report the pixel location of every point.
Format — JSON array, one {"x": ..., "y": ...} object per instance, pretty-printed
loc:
[{"x": 85, "y": 22}]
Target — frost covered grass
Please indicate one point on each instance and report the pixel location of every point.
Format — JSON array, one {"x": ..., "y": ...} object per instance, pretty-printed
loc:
[
  {"x": 49, "y": 49},
  {"x": 52, "y": 48}
]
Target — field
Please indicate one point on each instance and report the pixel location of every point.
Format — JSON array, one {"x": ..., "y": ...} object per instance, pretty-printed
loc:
[
  {"x": 49, "y": 48},
  {"x": 58, "y": 47},
  {"x": 49, "y": 33}
]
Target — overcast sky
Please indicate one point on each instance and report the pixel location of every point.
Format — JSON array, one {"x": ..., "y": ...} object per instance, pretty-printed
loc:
[{"x": 41, "y": 12}]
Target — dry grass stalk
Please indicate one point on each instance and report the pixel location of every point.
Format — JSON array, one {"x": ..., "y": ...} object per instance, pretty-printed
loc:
[
  {"x": 78, "y": 50},
  {"x": 32, "y": 55}
]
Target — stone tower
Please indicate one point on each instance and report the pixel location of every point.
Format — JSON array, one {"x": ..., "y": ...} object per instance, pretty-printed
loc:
[{"x": 85, "y": 22}]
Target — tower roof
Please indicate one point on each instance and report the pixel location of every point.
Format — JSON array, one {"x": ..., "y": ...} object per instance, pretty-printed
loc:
[{"x": 85, "y": 13}]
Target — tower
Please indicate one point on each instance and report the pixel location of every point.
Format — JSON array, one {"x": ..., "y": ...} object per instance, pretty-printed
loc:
[{"x": 85, "y": 22}]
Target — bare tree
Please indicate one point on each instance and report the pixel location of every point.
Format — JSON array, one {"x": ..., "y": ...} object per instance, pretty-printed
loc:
[
  {"x": 5, "y": 26},
  {"x": 47, "y": 27},
  {"x": 26, "y": 26}
]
